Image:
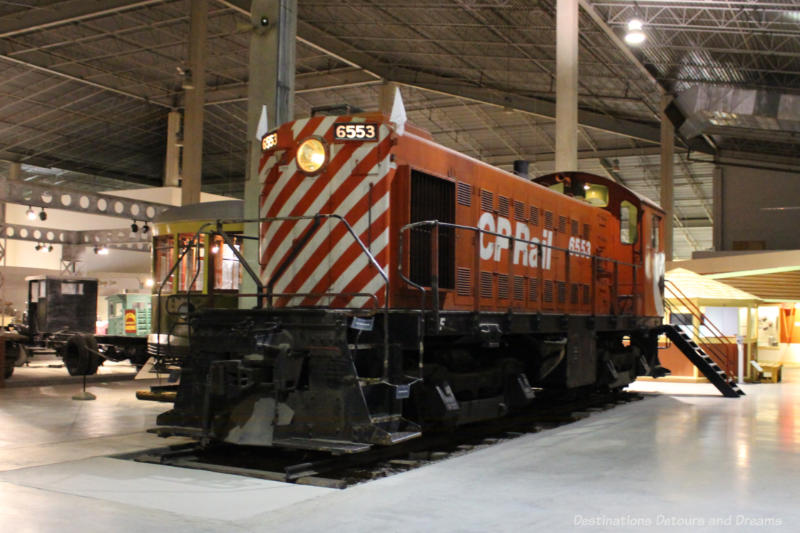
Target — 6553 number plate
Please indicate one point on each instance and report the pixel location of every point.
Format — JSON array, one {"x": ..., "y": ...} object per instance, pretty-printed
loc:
[{"x": 355, "y": 131}]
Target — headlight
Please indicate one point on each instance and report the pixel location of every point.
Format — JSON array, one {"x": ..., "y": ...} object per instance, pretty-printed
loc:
[{"x": 311, "y": 155}]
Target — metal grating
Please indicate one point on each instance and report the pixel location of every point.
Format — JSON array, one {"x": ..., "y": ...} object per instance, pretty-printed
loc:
[
  {"x": 573, "y": 293},
  {"x": 562, "y": 224},
  {"x": 548, "y": 291},
  {"x": 586, "y": 231},
  {"x": 562, "y": 292},
  {"x": 575, "y": 227},
  {"x": 586, "y": 299}
]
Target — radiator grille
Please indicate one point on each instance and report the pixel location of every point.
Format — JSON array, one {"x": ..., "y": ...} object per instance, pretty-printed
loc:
[
  {"x": 548, "y": 220},
  {"x": 562, "y": 292},
  {"x": 463, "y": 281},
  {"x": 502, "y": 286},
  {"x": 562, "y": 224},
  {"x": 586, "y": 231},
  {"x": 432, "y": 199},
  {"x": 486, "y": 285},
  {"x": 573, "y": 294},
  {"x": 575, "y": 227},
  {"x": 586, "y": 299}
]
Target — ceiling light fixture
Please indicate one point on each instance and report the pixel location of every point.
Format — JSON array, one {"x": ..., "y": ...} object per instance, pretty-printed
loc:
[
  {"x": 145, "y": 228},
  {"x": 42, "y": 215},
  {"x": 635, "y": 35},
  {"x": 134, "y": 227},
  {"x": 30, "y": 213}
]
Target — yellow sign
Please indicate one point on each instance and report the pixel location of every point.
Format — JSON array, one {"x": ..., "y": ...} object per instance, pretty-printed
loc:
[{"x": 130, "y": 321}]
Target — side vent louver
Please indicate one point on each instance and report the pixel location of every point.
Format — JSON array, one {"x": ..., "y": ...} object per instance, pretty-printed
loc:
[
  {"x": 487, "y": 201},
  {"x": 502, "y": 206},
  {"x": 548, "y": 291},
  {"x": 534, "y": 215},
  {"x": 548, "y": 220},
  {"x": 562, "y": 224},
  {"x": 562, "y": 292},
  {"x": 519, "y": 211},
  {"x": 486, "y": 285},
  {"x": 464, "y": 194},
  {"x": 463, "y": 281},
  {"x": 519, "y": 288},
  {"x": 502, "y": 286},
  {"x": 533, "y": 289}
]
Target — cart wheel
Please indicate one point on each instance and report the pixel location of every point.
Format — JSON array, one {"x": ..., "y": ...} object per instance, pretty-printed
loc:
[{"x": 80, "y": 355}]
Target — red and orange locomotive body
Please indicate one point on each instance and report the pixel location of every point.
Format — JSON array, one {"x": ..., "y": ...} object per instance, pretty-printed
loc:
[{"x": 408, "y": 286}]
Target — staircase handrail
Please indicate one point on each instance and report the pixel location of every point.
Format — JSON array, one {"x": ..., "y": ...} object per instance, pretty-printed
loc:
[{"x": 721, "y": 357}]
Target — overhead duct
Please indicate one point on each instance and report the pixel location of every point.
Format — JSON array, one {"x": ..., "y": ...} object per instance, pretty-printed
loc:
[{"x": 740, "y": 113}]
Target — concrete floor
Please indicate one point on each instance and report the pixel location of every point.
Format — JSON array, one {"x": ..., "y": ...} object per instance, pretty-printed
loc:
[{"x": 684, "y": 459}]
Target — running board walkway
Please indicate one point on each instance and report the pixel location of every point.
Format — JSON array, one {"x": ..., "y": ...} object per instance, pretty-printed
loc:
[{"x": 721, "y": 380}]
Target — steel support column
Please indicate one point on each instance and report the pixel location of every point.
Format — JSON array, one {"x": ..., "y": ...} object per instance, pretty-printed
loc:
[
  {"x": 667, "y": 153},
  {"x": 386, "y": 97},
  {"x": 194, "y": 85},
  {"x": 172, "y": 160},
  {"x": 566, "y": 85},
  {"x": 271, "y": 87}
]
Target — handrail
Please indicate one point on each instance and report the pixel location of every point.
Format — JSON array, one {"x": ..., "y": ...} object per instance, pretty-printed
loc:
[
  {"x": 720, "y": 356},
  {"x": 512, "y": 240}
]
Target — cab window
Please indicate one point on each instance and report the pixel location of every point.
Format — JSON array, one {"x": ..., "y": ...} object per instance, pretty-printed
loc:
[
  {"x": 191, "y": 267},
  {"x": 595, "y": 194},
  {"x": 226, "y": 272},
  {"x": 164, "y": 258},
  {"x": 655, "y": 233},
  {"x": 627, "y": 222}
]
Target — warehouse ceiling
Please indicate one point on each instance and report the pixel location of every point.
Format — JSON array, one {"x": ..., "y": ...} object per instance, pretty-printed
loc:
[{"x": 86, "y": 86}]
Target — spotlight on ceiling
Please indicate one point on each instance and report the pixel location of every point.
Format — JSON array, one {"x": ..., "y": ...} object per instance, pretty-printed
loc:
[
  {"x": 37, "y": 247},
  {"x": 635, "y": 35},
  {"x": 145, "y": 228},
  {"x": 30, "y": 213},
  {"x": 50, "y": 248},
  {"x": 42, "y": 215},
  {"x": 134, "y": 227},
  {"x": 101, "y": 250}
]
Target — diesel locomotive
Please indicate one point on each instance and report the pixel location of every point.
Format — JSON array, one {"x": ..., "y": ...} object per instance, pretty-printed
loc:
[{"x": 403, "y": 287}]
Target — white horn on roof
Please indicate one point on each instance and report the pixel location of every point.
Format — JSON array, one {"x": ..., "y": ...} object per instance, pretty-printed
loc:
[
  {"x": 261, "y": 130},
  {"x": 398, "y": 115}
]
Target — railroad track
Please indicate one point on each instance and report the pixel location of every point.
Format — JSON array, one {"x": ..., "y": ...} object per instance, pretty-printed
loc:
[{"x": 340, "y": 471}]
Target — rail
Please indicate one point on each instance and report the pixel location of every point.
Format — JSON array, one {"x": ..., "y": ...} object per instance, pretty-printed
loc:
[
  {"x": 721, "y": 357},
  {"x": 617, "y": 300}
]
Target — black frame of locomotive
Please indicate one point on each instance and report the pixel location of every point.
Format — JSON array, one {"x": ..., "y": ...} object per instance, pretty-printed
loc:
[{"x": 358, "y": 398}]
